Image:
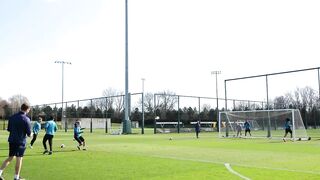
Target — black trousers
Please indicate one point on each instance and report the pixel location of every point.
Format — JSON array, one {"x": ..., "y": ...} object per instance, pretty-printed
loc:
[
  {"x": 46, "y": 138},
  {"x": 33, "y": 139}
]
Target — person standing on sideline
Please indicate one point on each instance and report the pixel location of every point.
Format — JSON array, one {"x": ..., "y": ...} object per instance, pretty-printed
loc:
[
  {"x": 78, "y": 135},
  {"x": 247, "y": 128},
  {"x": 51, "y": 128},
  {"x": 197, "y": 128},
  {"x": 19, "y": 127},
  {"x": 287, "y": 127},
  {"x": 239, "y": 129},
  {"x": 35, "y": 129}
]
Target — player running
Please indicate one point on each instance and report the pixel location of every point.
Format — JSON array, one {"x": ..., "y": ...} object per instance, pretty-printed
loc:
[
  {"x": 287, "y": 127},
  {"x": 51, "y": 128},
  {"x": 35, "y": 129}
]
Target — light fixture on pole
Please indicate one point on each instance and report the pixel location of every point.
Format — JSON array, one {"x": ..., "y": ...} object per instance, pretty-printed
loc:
[
  {"x": 62, "y": 63},
  {"x": 142, "y": 124},
  {"x": 217, "y": 97}
]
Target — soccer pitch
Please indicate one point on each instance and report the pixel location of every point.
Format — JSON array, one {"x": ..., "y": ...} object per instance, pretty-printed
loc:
[{"x": 152, "y": 156}]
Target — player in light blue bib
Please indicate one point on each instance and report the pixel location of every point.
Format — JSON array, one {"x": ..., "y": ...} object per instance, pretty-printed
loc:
[{"x": 35, "y": 129}]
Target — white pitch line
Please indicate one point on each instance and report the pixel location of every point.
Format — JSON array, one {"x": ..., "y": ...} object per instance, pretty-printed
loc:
[
  {"x": 242, "y": 165},
  {"x": 227, "y": 165}
]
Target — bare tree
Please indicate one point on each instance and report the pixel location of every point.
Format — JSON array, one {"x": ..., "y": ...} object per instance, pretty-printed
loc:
[
  {"x": 16, "y": 101},
  {"x": 115, "y": 98},
  {"x": 308, "y": 96},
  {"x": 148, "y": 102},
  {"x": 279, "y": 102},
  {"x": 3, "y": 105},
  {"x": 110, "y": 92},
  {"x": 119, "y": 105},
  {"x": 167, "y": 100}
]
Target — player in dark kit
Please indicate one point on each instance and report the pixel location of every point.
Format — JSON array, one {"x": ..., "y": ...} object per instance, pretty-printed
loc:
[
  {"x": 287, "y": 127},
  {"x": 19, "y": 127},
  {"x": 197, "y": 128},
  {"x": 246, "y": 128}
]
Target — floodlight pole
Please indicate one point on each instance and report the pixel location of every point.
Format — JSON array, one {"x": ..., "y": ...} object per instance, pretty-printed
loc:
[
  {"x": 126, "y": 121},
  {"x": 62, "y": 63},
  {"x": 142, "y": 124},
  {"x": 216, "y": 73}
]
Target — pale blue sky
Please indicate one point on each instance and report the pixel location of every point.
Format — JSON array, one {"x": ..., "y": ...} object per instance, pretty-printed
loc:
[{"x": 173, "y": 44}]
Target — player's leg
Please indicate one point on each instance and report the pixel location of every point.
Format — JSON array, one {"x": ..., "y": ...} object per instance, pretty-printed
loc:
[
  {"x": 83, "y": 142},
  {"x": 34, "y": 137},
  {"x": 44, "y": 141},
  {"x": 19, "y": 158},
  {"x": 50, "y": 143},
  {"x": 79, "y": 142},
  {"x": 18, "y": 167},
  {"x": 4, "y": 165}
]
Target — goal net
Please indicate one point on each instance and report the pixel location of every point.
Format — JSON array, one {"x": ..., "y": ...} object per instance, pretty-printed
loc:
[{"x": 262, "y": 123}]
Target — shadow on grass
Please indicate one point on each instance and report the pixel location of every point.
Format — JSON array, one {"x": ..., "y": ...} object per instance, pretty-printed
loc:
[{"x": 40, "y": 153}]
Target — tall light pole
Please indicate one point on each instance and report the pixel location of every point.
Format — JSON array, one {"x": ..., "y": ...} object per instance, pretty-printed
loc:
[
  {"x": 142, "y": 130},
  {"x": 216, "y": 73},
  {"x": 126, "y": 121},
  {"x": 62, "y": 63}
]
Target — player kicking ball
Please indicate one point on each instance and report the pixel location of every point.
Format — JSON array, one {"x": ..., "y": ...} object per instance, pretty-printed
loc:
[{"x": 78, "y": 135}]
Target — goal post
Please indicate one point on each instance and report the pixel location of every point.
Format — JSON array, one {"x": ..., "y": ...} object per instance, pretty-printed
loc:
[{"x": 262, "y": 123}]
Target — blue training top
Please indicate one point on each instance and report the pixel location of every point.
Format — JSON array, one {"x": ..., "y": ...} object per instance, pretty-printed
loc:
[
  {"x": 287, "y": 125},
  {"x": 19, "y": 126},
  {"x": 36, "y": 127},
  {"x": 77, "y": 131},
  {"x": 51, "y": 127}
]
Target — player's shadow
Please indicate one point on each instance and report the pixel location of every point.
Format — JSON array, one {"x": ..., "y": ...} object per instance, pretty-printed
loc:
[{"x": 40, "y": 153}]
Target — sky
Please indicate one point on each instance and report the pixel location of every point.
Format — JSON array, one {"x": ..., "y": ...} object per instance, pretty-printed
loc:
[{"x": 173, "y": 44}]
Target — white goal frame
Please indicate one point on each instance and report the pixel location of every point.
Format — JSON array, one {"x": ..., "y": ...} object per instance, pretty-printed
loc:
[{"x": 268, "y": 135}]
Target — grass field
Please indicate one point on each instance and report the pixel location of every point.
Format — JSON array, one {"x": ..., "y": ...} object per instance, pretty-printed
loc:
[{"x": 152, "y": 156}]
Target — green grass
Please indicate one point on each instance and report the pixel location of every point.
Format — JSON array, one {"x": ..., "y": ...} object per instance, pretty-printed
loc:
[{"x": 152, "y": 156}]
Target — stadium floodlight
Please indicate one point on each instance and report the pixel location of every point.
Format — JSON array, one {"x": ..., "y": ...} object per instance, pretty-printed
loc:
[
  {"x": 142, "y": 129},
  {"x": 62, "y": 63},
  {"x": 230, "y": 122},
  {"x": 126, "y": 121},
  {"x": 216, "y": 73}
]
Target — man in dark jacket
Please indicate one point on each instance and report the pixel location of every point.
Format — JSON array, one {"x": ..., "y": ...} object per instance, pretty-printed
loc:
[{"x": 19, "y": 127}]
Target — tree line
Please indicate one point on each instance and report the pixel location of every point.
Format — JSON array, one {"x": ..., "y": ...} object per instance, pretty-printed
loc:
[{"x": 165, "y": 107}]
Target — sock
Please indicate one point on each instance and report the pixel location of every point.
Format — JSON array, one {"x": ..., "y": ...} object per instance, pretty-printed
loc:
[
  {"x": 1, "y": 172},
  {"x": 16, "y": 176}
]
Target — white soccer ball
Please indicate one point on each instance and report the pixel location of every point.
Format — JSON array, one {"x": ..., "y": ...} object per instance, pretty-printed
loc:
[
  {"x": 170, "y": 138},
  {"x": 62, "y": 146}
]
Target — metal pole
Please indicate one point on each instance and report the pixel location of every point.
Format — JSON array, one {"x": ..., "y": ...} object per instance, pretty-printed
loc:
[
  {"x": 178, "y": 114},
  {"x": 319, "y": 82},
  {"x": 65, "y": 121},
  {"x": 62, "y": 63},
  {"x": 269, "y": 121},
  {"x": 216, "y": 73},
  {"x": 199, "y": 109},
  {"x": 225, "y": 95},
  {"x": 155, "y": 115},
  {"x": 142, "y": 125},
  {"x": 126, "y": 123}
]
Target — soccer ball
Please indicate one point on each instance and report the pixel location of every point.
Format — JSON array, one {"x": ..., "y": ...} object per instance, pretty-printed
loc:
[
  {"x": 62, "y": 146},
  {"x": 170, "y": 138}
]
